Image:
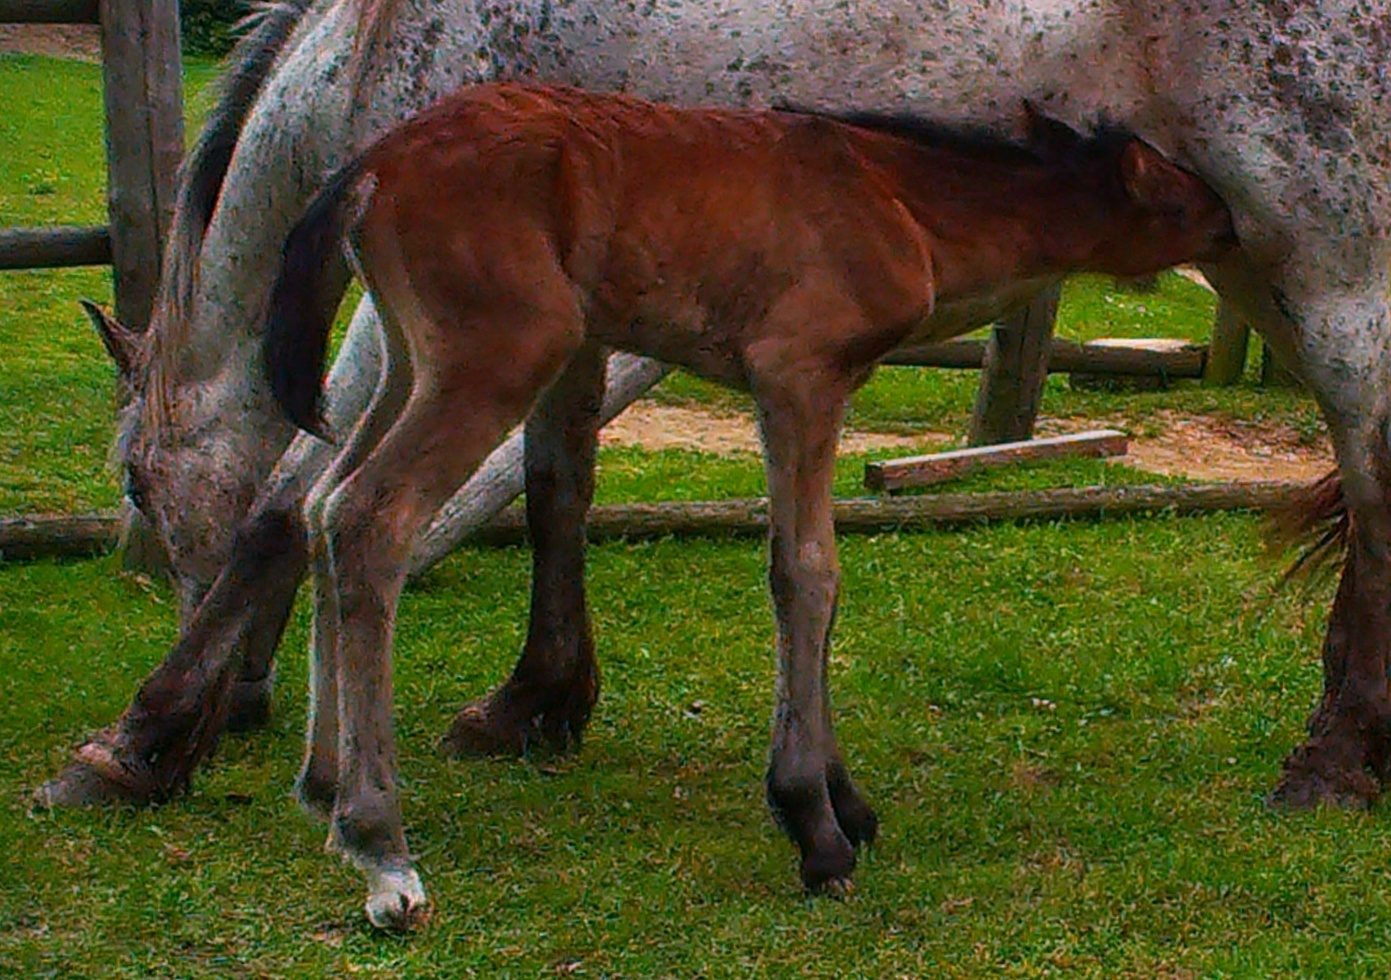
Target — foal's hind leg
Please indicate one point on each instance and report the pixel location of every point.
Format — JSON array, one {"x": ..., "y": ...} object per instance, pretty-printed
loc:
[
  {"x": 556, "y": 682},
  {"x": 809, "y": 788}
]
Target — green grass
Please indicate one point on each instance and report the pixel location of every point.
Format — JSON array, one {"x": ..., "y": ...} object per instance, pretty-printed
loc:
[{"x": 1067, "y": 728}]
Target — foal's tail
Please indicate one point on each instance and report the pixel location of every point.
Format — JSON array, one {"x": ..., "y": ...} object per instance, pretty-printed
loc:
[
  {"x": 304, "y": 300},
  {"x": 1316, "y": 522}
]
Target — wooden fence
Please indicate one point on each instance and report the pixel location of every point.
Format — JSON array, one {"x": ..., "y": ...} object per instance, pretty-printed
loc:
[{"x": 143, "y": 84}]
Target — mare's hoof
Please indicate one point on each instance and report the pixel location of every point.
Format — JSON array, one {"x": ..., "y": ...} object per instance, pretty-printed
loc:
[
  {"x": 1303, "y": 788},
  {"x": 479, "y": 730},
  {"x": 497, "y": 726},
  {"x": 856, "y": 818},
  {"x": 837, "y": 888},
  {"x": 251, "y": 704},
  {"x": 1326, "y": 770},
  {"x": 396, "y": 900},
  {"x": 829, "y": 870},
  {"x": 96, "y": 777}
]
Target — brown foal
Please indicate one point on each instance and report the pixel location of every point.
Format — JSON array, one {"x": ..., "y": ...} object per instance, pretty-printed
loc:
[{"x": 510, "y": 235}]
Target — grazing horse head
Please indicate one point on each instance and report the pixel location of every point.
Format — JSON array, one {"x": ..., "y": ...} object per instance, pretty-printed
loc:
[{"x": 180, "y": 476}]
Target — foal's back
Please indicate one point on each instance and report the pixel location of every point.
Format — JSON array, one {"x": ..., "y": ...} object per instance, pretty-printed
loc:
[{"x": 686, "y": 229}]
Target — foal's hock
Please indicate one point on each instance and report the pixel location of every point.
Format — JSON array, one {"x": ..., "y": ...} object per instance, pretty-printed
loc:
[{"x": 511, "y": 233}]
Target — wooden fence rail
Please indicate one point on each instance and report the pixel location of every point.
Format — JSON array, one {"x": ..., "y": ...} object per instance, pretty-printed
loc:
[
  {"x": 1065, "y": 357},
  {"x": 142, "y": 77},
  {"x": 53, "y": 248},
  {"x": 50, "y": 12}
]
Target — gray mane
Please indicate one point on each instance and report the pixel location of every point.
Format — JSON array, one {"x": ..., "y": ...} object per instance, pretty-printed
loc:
[{"x": 264, "y": 33}]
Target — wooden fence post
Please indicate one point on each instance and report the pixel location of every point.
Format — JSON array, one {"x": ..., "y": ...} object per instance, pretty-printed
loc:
[
  {"x": 1226, "y": 357},
  {"x": 1016, "y": 366},
  {"x": 142, "y": 75}
]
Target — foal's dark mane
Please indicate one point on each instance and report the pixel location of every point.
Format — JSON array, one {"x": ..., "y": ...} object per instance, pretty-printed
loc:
[{"x": 1065, "y": 153}]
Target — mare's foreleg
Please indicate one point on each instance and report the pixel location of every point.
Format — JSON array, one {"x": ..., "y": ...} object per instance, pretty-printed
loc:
[
  {"x": 808, "y": 786},
  {"x": 555, "y": 684},
  {"x": 173, "y": 723}
]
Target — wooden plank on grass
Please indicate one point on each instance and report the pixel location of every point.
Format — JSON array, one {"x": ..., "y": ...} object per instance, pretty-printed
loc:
[{"x": 922, "y": 471}]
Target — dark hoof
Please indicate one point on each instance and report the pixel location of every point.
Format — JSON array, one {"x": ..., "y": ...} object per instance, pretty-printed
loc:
[
  {"x": 97, "y": 777},
  {"x": 478, "y": 730},
  {"x": 506, "y": 725},
  {"x": 829, "y": 870},
  {"x": 251, "y": 704},
  {"x": 1304, "y": 787},
  {"x": 856, "y": 818}
]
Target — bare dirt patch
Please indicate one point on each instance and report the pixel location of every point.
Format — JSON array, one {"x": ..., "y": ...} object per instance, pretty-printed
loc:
[
  {"x": 1207, "y": 448},
  {"x": 655, "y": 426},
  {"x": 81, "y": 41},
  {"x": 1198, "y": 447}
]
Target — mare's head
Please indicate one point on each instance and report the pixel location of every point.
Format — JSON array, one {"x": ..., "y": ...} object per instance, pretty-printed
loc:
[
  {"x": 185, "y": 458},
  {"x": 1142, "y": 212}
]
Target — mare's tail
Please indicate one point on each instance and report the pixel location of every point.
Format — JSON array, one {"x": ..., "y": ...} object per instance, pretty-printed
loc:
[
  {"x": 1316, "y": 522},
  {"x": 304, "y": 300}
]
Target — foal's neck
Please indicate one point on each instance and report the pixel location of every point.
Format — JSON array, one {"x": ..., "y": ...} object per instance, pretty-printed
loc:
[{"x": 999, "y": 217}]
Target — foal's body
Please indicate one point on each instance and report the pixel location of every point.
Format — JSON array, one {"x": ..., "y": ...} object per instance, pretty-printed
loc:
[{"x": 511, "y": 231}]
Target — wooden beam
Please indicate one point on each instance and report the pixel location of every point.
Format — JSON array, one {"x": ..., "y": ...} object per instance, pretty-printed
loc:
[
  {"x": 49, "y": 12},
  {"x": 58, "y": 536},
  {"x": 54, "y": 248},
  {"x": 1064, "y": 357},
  {"x": 873, "y": 515},
  {"x": 143, "y": 81},
  {"x": 1015, "y": 366},
  {"x": 30, "y": 537},
  {"x": 921, "y": 471}
]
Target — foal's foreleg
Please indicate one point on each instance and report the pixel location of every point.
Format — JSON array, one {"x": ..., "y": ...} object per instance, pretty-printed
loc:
[
  {"x": 809, "y": 788},
  {"x": 317, "y": 783},
  {"x": 555, "y": 684}
]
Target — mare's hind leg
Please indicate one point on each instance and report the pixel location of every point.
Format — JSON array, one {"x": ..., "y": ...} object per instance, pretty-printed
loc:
[
  {"x": 555, "y": 684},
  {"x": 809, "y": 788},
  {"x": 1339, "y": 336}
]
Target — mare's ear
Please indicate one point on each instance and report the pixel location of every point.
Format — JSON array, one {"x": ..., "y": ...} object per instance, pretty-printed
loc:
[
  {"x": 1050, "y": 136},
  {"x": 1151, "y": 181},
  {"x": 122, "y": 343}
]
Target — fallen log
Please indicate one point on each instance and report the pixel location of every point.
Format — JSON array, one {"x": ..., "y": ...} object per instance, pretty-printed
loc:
[
  {"x": 870, "y": 515},
  {"x": 33, "y": 537}
]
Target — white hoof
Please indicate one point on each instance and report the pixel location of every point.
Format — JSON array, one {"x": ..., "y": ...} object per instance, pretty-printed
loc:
[{"x": 396, "y": 900}]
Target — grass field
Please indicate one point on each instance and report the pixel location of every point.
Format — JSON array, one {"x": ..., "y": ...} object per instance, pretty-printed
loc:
[{"x": 1068, "y": 729}]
